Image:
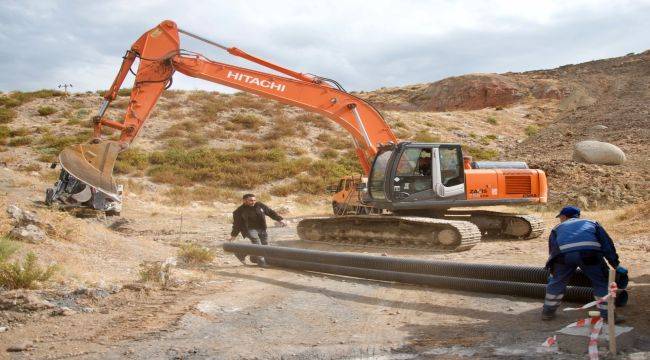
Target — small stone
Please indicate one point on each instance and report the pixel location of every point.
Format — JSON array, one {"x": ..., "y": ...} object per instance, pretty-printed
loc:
[
  {"x": 384, "y": 254},
  {"x": 30, "y": 233},
  {"x": 599, "y": 127},
  {"x": 62, "y": 311},
  {"x": 21, "y": 346},
  {"x": 3, "y": 329}
]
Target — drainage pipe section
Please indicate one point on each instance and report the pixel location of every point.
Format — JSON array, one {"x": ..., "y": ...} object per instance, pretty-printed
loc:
[
  {"x": 514, "y": 273},
  {"x": 537, "y": 291}
]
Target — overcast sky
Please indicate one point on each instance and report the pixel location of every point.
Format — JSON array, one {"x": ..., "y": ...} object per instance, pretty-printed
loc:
[{"x": 362, "y": 44}]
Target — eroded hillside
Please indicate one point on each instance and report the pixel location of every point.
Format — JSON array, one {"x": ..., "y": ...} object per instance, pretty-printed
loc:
[{"x": 208, "y": 147}]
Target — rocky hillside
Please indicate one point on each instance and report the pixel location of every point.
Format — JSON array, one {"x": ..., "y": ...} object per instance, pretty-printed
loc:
[
  {"x": 209, "y": 147},
  {"x": 605, "y": 100}
]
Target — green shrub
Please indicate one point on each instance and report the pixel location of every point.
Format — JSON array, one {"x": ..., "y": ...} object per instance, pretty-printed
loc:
[
  {"x": 492, "y": 120},
  {"x": 7, "y": 115},
  {"x": 426, "y": 137},
  {"x": 131, "y": 160},
  {"x": 194, "y": 254},
  {"x": 46, "y": 110},
  {"x": 487, "y": 139},
  {"x": 481, "y": 153},
  {"x": 531, "y": 130},
  {"x": 25, "y": 275},
  {"x": 20, "y": 141},
  {"x": 210, "y": 110},
  {"x": 7, "y": 248},
  {"x": 124, "y": 92}
]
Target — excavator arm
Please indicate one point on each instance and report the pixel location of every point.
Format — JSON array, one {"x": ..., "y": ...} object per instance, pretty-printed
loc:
[{"x": 160, "y": 57}]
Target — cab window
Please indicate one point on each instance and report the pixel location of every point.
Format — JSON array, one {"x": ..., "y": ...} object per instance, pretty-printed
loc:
[{"x": 451, "y": 162}]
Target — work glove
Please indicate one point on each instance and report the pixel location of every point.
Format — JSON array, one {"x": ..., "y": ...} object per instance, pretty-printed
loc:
[{"x": 621, "y": 270}]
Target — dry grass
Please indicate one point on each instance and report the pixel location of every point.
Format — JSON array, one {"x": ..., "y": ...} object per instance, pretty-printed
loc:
[
  {"x": 193, "y": 254},
  {"x": 18, "y": 98},
  {"x": 20, "y": 141},
  {"x": 27, "y": 274},
  {"x": 158, "y": 272},
  {"x": 317, "y": 120},
  {"x": 7, "y": 115},
  {"x": 180, "y": 195},
  {"x": 245, "y": 121},
  {"x": 531, "y": 130},
  {"x": 631, "y": 220},
  {"x": 7, "y": 248},
  {"x": 247, "y": 101},
  {"x": 426, "y": 137}
]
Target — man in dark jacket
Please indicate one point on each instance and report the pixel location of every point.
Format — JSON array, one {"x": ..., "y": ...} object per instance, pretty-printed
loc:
[
  {"x": 578, "y": 243},
  {"x": 249, "y": 220}
]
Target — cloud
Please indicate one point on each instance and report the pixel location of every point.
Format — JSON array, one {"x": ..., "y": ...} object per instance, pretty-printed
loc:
[{"x": 362, "y": 44}]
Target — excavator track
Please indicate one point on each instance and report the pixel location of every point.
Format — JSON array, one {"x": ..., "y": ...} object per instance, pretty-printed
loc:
[
  {"x": 502, "y": 225},
  {"x": 406, "y": 232}
]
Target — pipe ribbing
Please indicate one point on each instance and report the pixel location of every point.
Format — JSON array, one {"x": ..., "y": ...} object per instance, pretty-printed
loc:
[
  {"x": 573, "y": 293},
  {"x": 513, "y": 273}
]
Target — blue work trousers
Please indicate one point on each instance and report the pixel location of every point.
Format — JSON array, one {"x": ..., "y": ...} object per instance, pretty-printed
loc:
[{"x": 593, "y": 266}]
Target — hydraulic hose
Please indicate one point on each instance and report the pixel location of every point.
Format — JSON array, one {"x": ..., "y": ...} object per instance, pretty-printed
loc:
[{"x": 513, "y": 273}]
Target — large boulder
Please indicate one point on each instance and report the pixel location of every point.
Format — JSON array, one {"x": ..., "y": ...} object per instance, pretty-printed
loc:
[{"x": 597, "y": 152}]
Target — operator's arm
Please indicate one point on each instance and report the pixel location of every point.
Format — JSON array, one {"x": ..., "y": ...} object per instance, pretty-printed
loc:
[
  {"x": 553, "y": 250},
  {"x": 270, "y": 213},
  {"x": 236, "y": 225},
  {"x": 607, "y": 246}
]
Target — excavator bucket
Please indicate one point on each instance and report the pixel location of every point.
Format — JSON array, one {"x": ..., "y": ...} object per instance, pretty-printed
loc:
[{"x": 92, "y": 163}]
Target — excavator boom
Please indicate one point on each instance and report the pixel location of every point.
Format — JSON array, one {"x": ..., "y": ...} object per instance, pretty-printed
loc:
[{"x": 160, "y": 56}]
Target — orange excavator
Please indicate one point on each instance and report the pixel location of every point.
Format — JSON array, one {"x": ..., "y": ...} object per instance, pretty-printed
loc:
[{"x": 414, "y": 185}]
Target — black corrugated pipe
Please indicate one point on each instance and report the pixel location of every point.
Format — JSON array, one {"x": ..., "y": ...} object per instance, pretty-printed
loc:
[
  {"x": 514, "y": 273},
  {"x": 537, "y": 291}
]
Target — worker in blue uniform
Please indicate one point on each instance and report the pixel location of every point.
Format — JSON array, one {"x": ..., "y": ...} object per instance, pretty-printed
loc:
[{"x": 578, "y": 243}]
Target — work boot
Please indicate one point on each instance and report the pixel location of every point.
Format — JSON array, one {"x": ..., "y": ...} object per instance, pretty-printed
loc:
[
  {"x": 261, "y": 262},
  {"x": 548, "y": 314},
  {"x": 241, "y": 258}
]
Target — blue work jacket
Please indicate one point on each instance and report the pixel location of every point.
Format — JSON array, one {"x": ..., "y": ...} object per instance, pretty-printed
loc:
[{"x": 580, "y": 235}]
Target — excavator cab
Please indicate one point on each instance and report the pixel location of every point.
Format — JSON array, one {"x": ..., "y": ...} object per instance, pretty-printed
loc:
[{"x": 410, "y": 172}]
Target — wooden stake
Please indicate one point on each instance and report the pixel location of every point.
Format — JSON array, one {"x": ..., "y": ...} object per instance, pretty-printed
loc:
[{"x": 611, "y": 320}]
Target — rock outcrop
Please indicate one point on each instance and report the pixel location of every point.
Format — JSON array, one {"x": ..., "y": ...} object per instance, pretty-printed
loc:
[{"x": 478, "y": 91}]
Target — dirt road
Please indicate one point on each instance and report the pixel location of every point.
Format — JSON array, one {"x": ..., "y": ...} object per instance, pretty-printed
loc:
[
  {"x": 230, "y": 311},
  {"x": 243, "y": 312}
]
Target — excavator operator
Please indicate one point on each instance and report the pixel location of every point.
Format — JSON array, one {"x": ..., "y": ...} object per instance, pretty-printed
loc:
[{"x": 424, "y": 163}]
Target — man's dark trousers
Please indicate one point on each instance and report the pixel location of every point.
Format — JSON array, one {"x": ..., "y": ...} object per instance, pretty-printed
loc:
[{"x": 258, "y": 237}]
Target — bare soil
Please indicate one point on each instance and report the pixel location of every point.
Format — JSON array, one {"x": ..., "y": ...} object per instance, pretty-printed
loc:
[{"x": 230, "y": 311}]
